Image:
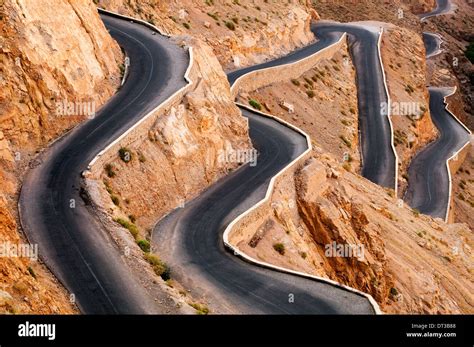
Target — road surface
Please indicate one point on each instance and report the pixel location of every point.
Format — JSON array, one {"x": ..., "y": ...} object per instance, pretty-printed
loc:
[
  {"x": 83, "y": 256},
  {"x": 190, "y": 239},
  {"x": 442, "y": 7},
  {"x": 428, "y": 178},
  {"x": 71, "y": 242}
]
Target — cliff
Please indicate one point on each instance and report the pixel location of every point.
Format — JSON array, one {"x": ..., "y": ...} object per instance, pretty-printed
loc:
[
  {"x": 44, "y": 65},
  {"x": 240, "y": 32}
]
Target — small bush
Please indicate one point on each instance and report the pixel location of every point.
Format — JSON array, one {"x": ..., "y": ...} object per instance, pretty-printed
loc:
[
  {"x": 409, "y": 89},
  {"x": 115, "y": 200},
  {"x": 109, "y": 170},
  {"x": 144, "y": 245},
  {"x": 280, "y": 248},
  {"x": 161, "y": 268},
  {"x": 132, "y": 228},
  {"x": 393, "y": 291},
  {"x": 201, "y": 309},
  {"x": 416, "y": 212},
  {"x": 230, "y": 25},
  {"x": 346, "y": 141},
  {"x": 32, "y": 272},
  {"x": 295, "y": 82},
  {"x": 310, "y": 93},
  {"x": 186, "y": 25},
  {"x": 125, "y": 154},
  {"x": 255, "y": 104}
]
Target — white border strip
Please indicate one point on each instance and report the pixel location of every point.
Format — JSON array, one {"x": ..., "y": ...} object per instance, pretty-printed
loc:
[
  {"x": 266, "y": 199},
  {"x": 450, "y": 192},
  {"x": 397, "y": 159},
  {"x": 149, "y": 114}
]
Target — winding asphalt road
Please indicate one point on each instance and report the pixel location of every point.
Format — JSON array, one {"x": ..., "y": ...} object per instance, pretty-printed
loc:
[
  {"x": 428, "y": 178},
  {"x": 84, "y": 257},
  {"x": 375, "y": 141},
  {"x": 442, "y": 7},
  {"x": 190, "y": 239},
  {"x": 428, "y": 183},
  {"x": 432, "y": 44},
  {"x": 71, "y": 242}
]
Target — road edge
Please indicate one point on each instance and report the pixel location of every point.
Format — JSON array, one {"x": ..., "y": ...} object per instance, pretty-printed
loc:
[{"x": 455, "y": 154}]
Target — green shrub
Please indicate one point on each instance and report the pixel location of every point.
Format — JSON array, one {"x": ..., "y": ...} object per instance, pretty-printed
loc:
[
  {"x": 346, "y": 141},
  {"x": 109, "y": 170},
  {"x": 201, "y": 309},
  {"x": 115, "y": 200},
  {"x": 295, "y": 82},
  {"x": 186, "y": 25},
  {"x": 393, "y": 291},
  {"x": 161, "y": 268},
  {"x": 230, "y": 25},
  {"x": 132, "y": 228},
  {"x": 144, "y": 245},
  {"x": 310, "y": 93},
  {"x": 255, "y": 104},
  {"x": 280, "y": 248}
]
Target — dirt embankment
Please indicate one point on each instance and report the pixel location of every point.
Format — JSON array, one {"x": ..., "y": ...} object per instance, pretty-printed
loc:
[
  {"x": 45, "y": 72},
  {"x": 404, "y": 60},
  {"x": 323, "y": 101},
  {"x": 402, "y": 13},
  {"x": 240, "y": 32},
  {"x": 463, "y": 191}
]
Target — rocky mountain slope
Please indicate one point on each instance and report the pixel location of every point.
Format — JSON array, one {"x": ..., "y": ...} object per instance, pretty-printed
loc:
[
  {"x": 329, "y": 222},
  {"x": 240, "y": 32},
  {"x": 47, "y": 69}
]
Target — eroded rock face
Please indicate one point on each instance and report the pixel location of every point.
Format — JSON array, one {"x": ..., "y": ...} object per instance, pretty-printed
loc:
[
  {"x": 334, "y": 218},
  {"x": 240, "y": 33},
  {"x": 45, "y": 60},
  {"x": 340, "y": 226}
]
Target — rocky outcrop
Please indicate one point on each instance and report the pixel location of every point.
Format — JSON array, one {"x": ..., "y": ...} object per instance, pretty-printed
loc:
[
  {"x": 44, "y": 66},
  {"x": 329, "y": 222},
  {"x": 240, "y": 32}
]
